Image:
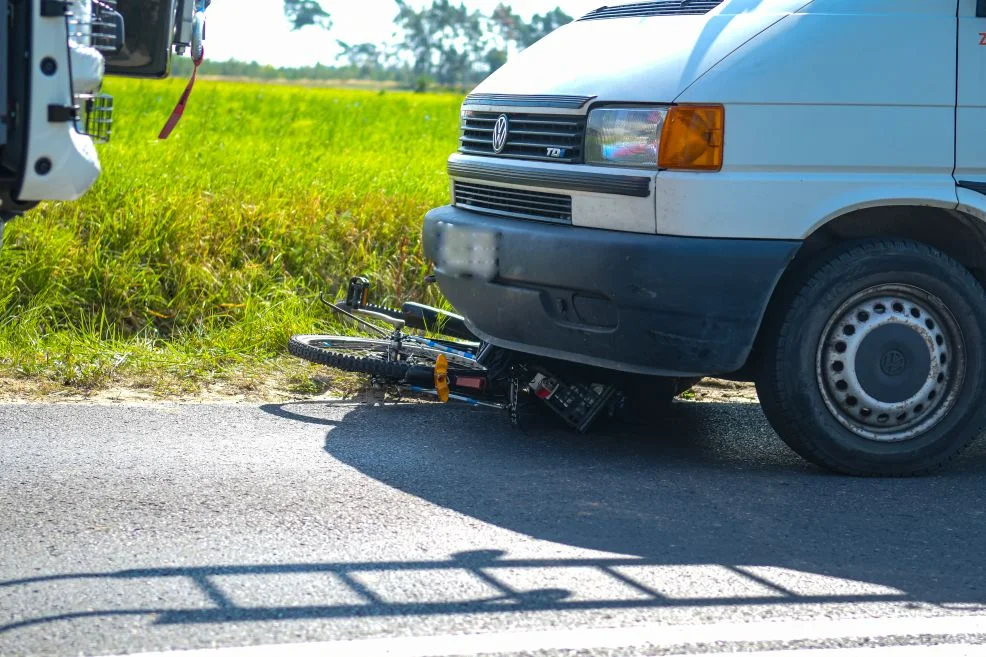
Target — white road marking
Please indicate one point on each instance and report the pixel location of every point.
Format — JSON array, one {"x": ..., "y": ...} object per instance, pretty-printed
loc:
[
  {"x": 944, "y": 650},
  {"x": 652, "y": 635}
]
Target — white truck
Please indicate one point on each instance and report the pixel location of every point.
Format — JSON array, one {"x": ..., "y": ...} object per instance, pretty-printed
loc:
[
  {"x": 791, "y": 192},
  {"x": 53, "y": 57}
]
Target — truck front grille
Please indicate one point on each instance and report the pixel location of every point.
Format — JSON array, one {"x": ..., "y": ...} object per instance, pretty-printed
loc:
[
  {"x": 96, "y": 120},
  {"x": 100, "y": 29},
  {"x": 515, "y": 203},
  {"x": 529, "y": 136}
]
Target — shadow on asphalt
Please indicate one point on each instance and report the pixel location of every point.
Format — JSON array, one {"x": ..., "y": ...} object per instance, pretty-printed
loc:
[
  {"x": 712, "y": 485},
  {"x": 709, "y": 510},
  {"x": 490, "y": 569}
]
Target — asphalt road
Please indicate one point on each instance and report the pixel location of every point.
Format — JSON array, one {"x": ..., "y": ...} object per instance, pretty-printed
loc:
[{"x": 419, "y": 530}]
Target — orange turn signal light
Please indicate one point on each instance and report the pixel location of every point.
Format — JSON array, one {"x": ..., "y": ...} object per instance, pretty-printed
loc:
[{"x": 693, "y": 138}]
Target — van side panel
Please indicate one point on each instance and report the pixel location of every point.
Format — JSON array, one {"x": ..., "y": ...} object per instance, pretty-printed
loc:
[
  {"x": 970, "y": 154},
  {"x": 847, "y": 104}
]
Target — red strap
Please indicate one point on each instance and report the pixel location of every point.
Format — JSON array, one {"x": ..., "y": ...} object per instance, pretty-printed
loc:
[{"x": 182, "y": 103}]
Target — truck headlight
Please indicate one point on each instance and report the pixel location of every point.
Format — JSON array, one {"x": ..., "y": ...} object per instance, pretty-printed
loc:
[{"x": 625, "y": 136}]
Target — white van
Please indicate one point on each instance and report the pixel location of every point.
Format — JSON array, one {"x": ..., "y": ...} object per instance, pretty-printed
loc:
[{"x": 786, "y": 191}]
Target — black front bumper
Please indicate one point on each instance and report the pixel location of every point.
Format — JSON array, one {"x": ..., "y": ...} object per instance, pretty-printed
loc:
[{"x": 648, "y": 304}]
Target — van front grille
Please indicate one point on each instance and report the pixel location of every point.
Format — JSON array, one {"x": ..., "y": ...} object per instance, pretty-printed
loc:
[
  {"x": 659, "y": 8},
  {"x": 516, "y": 203},
  {"x": 529, "y": 136},
  {"x": 522, "y": 100}
]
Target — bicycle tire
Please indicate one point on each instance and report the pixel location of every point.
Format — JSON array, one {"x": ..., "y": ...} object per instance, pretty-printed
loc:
[{"x": 377, "y": 367}]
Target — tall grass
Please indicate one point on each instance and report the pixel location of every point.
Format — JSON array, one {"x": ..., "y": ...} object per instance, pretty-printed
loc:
[{"x": 198, "y": 256}]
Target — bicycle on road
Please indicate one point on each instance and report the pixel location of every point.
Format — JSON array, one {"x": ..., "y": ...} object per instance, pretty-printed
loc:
[{"x": 426, "y": 350}]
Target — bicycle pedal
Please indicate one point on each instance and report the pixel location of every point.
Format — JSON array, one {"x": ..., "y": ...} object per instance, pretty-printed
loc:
[{"x": 358, "y": 294}]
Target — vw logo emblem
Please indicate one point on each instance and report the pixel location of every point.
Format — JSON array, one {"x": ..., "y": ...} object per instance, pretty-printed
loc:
[
  {"x": 893, "y": 363},
  {"x": 500, "y": 133}
]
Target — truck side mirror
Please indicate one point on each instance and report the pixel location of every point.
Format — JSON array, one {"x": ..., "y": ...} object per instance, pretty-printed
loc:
[{"x": 150, "y": 29}]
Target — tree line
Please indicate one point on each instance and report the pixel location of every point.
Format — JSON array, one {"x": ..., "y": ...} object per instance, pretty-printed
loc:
[{"x": 444, "y": 43}]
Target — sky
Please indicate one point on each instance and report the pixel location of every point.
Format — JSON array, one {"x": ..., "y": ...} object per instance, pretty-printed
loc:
[{"x": 255, "y": 30}]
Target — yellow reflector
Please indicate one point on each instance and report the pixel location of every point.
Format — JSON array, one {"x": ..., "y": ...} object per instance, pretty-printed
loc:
[
  {"x": 441, "y": 378},
  {"x": 693, "y": 138}
]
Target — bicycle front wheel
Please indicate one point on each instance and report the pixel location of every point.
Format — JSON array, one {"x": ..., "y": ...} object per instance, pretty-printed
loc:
[
  {"x": 360, "y": 355},
  {"x": 376, "y": 357}
]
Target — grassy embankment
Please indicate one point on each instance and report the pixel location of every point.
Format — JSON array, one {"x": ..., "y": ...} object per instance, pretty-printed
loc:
[{"x": 192, "y": 260}]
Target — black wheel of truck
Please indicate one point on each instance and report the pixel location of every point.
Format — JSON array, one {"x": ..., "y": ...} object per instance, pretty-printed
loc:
[
  {"x": 362, "y": 356},
  {"x": 877, "y": 364}
]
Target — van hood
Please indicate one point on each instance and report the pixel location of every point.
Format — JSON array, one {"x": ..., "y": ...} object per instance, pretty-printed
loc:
[{"x": 651, "y": 59}]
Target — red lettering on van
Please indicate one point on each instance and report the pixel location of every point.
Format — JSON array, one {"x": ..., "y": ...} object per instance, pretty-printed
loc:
[{"x": 982, "y": 38}]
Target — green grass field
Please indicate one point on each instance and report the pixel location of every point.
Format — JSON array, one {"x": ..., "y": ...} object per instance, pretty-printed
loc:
[{"x": 193, "y": 260}]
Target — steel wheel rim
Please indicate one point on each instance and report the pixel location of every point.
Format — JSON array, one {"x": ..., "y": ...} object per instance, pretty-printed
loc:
[
  {"x": 871, "y": 361},
  {"x": 356, "y": 347}
]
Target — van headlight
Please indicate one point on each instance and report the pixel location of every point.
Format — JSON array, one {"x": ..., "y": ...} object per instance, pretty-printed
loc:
[
  {"x": 678, "y": 138},
  {"x": 625, "y": 136}
]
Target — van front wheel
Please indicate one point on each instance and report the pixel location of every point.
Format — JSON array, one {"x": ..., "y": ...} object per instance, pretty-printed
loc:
[{"x": 877, "y": 365}]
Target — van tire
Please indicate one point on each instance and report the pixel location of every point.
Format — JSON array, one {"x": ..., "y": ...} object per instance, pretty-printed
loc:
[{"x": 823, "y": 421}]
